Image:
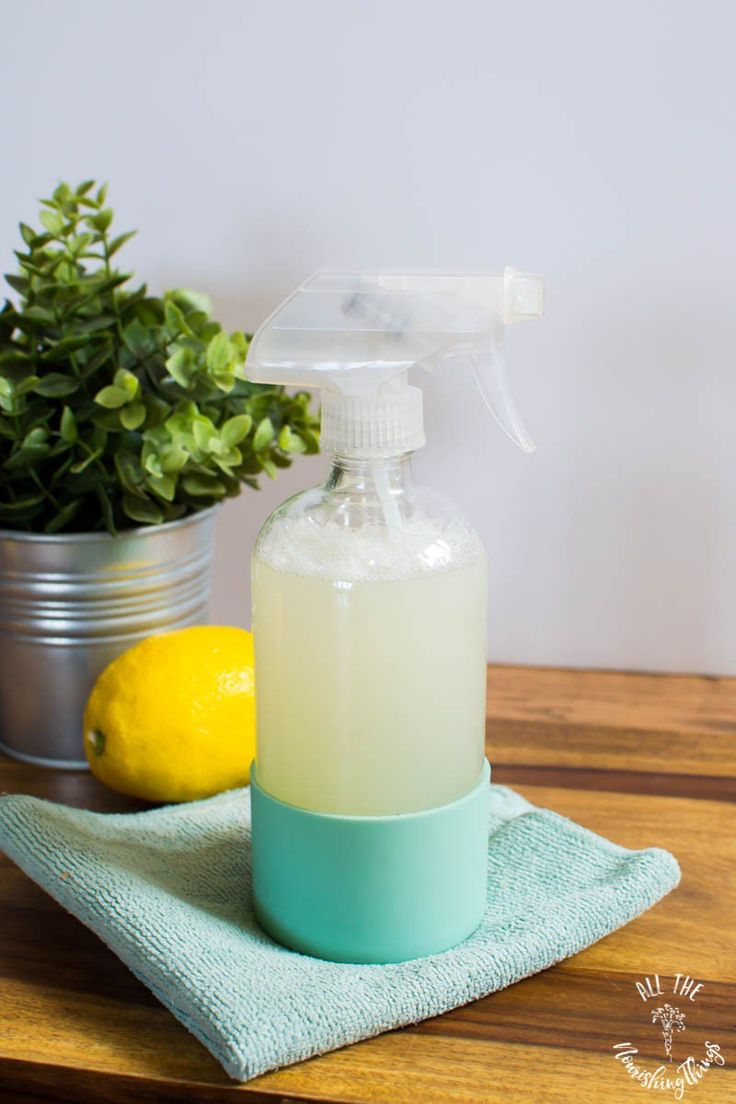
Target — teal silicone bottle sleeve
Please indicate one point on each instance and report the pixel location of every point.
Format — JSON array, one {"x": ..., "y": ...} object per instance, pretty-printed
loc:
[{"x": 370, "y": 889}]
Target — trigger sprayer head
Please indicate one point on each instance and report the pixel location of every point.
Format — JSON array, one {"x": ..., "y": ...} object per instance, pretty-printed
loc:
[{"x": 355, "y": 336}]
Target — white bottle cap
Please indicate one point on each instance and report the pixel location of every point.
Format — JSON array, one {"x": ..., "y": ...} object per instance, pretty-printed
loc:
[{"x": 386, "y": 424}]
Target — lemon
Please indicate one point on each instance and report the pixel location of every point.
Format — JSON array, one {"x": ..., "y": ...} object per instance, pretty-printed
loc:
[{"x": 173, "y": 718}]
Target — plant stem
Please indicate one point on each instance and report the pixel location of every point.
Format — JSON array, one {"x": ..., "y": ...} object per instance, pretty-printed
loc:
[{"x": 46, "y": 492}]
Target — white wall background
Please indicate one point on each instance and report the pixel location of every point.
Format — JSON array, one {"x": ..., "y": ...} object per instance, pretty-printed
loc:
[{"x": 252, "y": 141}]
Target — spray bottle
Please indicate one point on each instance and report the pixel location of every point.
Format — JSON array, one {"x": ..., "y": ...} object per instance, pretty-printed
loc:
[{"x": 369, "y": 792}]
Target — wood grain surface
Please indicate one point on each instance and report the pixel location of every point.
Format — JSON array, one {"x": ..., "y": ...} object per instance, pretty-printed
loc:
[{"x": 645, "y": 760}]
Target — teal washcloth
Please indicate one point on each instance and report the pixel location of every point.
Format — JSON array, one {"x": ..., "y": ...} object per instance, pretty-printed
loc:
[{"x": 168, "y": 891}]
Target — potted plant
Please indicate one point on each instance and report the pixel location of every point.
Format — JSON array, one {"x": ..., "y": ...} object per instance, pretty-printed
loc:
[{"x": 124, "y": 419}]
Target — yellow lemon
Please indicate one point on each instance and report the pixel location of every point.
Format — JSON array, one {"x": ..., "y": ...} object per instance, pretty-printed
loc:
[{"x": 173, "y": 718}]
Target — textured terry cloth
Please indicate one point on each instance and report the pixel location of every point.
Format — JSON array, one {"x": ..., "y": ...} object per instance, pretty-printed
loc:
[{"x": 168, "y": 891}]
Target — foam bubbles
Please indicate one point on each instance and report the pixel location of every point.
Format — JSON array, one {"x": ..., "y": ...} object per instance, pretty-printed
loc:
[{"x": 330, "y": 550}]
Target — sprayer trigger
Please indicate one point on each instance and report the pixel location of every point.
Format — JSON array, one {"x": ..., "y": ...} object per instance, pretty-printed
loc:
[{"x": 489, "y": 370}]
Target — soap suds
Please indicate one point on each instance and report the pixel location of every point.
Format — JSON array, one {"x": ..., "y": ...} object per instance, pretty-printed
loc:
[{"x": 369, "y": 553}]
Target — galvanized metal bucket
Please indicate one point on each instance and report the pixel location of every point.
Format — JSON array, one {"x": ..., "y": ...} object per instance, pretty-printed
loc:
[{"x": 69, "y": 604}]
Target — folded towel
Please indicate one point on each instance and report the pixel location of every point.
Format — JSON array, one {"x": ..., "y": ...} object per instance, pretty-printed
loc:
[{"x": 168, "y": 891}]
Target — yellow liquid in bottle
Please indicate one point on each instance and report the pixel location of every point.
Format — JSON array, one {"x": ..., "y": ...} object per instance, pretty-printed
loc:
[{"x": 370, "y": 692}]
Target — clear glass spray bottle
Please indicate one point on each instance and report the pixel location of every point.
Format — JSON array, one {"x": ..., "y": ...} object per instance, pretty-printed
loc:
[{"x": 370, "y": 785}]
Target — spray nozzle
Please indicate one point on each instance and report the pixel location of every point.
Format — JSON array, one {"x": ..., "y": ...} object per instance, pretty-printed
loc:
[{"x": 356, "y": 335}]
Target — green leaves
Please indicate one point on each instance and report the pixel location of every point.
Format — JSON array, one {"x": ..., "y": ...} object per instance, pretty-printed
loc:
[
  {"x": 35, "y": 443},
  {"x": 219, "y": 353},
  {"x": 68, "y": 426},
  {"x": 174, "y": 317},
  {"x": 203, "y": 360},
  {"x": 263, "y": 435},
  {"x": 181, "y": 366},
  {"x": 129, "y": 471},
  {"x": 128, "y": 382},
  {"x": 56, "y": 385},
  {"x": 235, "y": 429},
  {"x": 122, "y": 394},
  {"x": 162, "y": 485},
  {"x": 37, "y": 314},
  {"x": 119, "y": 242},
  {"x": 63, "y": 516},
  {"x": 100, "y": 221},
  {"x": 53, "y": 222},
  {"x": 112, "y": 397},
  {"x": 118, "y": 408},
  {"x": 203, "y": 485},
  {"x": 33, "y": 447},
  {"x": 289, "y": 441},
  {"x": 191, "y": 302},
  {"x": 142, "y": 510},
  {"x": 138, "y": 339},
  {"x": 133, "y": 416}
]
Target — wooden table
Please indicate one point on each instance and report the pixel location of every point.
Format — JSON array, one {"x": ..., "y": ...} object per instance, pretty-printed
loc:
[{"x": 642, "y": 759}]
